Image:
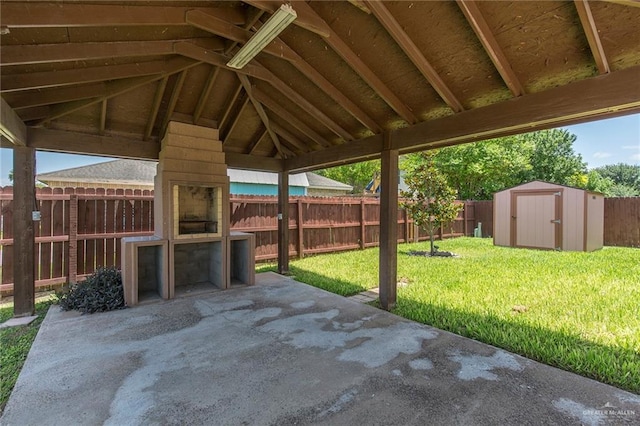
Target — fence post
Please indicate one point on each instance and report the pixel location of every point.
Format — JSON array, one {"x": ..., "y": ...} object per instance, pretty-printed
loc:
[
  {"x": 363, "y": 233},
  {"x": 72, "y": 260},
  {"x": 300, "y": 230},
  {"x": 465, "y": 205}
]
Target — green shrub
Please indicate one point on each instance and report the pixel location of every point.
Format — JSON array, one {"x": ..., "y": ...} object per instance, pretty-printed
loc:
[{"x": 101, "y": 291}]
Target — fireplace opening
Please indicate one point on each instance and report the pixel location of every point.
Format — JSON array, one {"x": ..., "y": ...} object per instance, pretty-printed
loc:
[
  {"x": 150, "y": 274},
  {"x": 198, "y": 266},
  {"x": 198, "y": 210}
]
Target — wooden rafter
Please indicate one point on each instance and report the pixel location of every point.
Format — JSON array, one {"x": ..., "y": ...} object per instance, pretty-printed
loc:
[
  {"x": 607, "y": 95},
  {"x": 255, "y": 17},
  {"x": 235, "y": 120},
  {"x": 290, "y": 137},
  {"x": 114, "y": 88},
  {"x": 61, "y": 52},
  {"x": 407, "y": 45},
  {"x": 39, "y": 80},
  {"x": 56, "y": 14},
  {"x": 226, "y": 29},
  {"x": 591, "y": 31},
  {"x": 253, "y": 145},
  {"x": 290, "y": 118},
  {"x": 103, "y": 116},
  {"x": 11, "y": 126},
  {"x": 306, "y": 19},
  {"x": 204, "y": 96},
  {"x": 353, "y": 60},
  {"x": 34, "y": 98},
  {"x": 173, "y": 100},
  {"x": 280, "y": 49},
  {"x": 483, "y": 32},
  {"x": 361, "y": 5},
  {"x": 246, "y": 84},
  {"x": 227, "y": 111},
  {"x": 155, "y": 107},
  {"x": 193, "y": 51}
]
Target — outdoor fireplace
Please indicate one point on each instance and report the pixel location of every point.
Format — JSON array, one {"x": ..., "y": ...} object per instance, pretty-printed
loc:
[
  {"x": 191, "y": 209},
  {"x": 198, "y": 210}
]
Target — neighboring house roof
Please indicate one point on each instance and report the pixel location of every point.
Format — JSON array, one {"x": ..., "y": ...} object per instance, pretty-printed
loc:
[
  {"x": 142, "y": 173},
  {"x": 117, "y": 171},
  {"x": 320, "y": 182},
  {"x": 265, "y": 178}
]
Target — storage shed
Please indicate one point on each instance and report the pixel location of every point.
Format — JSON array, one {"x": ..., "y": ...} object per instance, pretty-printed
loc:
[{"x": 544, "y": 215}]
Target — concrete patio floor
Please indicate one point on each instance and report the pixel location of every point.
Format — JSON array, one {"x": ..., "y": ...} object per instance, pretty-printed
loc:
[{"x": 287, "y": 353}]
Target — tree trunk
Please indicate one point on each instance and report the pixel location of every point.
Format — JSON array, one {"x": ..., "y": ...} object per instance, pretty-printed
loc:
[{"x": 433, "y": 251}]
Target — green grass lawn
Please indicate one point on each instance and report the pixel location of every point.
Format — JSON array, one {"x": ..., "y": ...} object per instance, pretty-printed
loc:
[
  {"x": 15, "y": 343},
  {"x": 573, "y": 310}
]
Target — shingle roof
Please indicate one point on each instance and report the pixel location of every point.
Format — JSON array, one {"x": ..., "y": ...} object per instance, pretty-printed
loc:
[
  {"x": 317, "y": 181},
  {"x": 142, "y": 172}
]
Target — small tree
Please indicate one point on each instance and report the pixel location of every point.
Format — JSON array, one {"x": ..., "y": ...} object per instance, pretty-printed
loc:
[{"x": 429, "y": 200}]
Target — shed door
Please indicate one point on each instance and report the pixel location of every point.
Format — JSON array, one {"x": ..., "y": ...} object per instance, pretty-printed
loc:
[{"x": 536, "y": 219}]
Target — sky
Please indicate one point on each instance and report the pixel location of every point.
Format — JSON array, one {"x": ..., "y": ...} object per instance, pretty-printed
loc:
[{"x": 616, "y": 140}]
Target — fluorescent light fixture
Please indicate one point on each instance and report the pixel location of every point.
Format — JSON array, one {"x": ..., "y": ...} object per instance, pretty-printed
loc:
[{"x": 265, "y": 35}]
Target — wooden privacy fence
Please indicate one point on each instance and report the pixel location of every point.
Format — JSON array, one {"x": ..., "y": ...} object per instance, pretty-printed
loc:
[{"x": 80, "y": 229}]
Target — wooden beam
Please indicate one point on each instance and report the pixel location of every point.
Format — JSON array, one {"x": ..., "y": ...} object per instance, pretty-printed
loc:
[
  {"x": 289, "y": 137},
  {"x": 103, "y": 116},
  {"x": 251, "y": 20},
  {"x": 407, "y": 45},
  {"x": 204, "y": 96},
  {"x": 227, "y": 111},
  {"x": 591, "y": 31},
  {"x": 480, "y": 26},
  {"x": 586, "y": 100},
  {"x": 360, "y": 150},
  {"x": 388, "y": 260},
  {"x": 173, "y": 100},
  {"x": 632, "y": 3},
  {"x": 307, "y": 20},
  {"x": 24, "y": 265},
  {"x": 277, "y": 109},
  {"x": 153, "y": 114},
  {"x": 258, "y": 71},
  {"x": 11, "y": 126},
  {"x": 235, "y": 120},
  {"x": 280, "y": 49},
  {"x": 252, "y": 147},
  {"x": 62, "y": 52},
  {"x": 354, "y": 61},
  {"x": 228, "y": 30},
  {"x": 360, "y": 5},
  {"x": 57, "y": 14},
  {"x": 283, "y": 222},
  {"x": 114, "y": 88},
  {"x": 38, "y": 80},
  {"x": 83, "y": 143},
  {"x": 252, "y": 162},
  {"x": 56, "y": 95},
  {"x": 246, "y": 84}
]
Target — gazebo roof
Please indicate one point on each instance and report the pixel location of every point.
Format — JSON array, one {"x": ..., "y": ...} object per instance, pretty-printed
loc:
[{"x": 346, "y": 80}]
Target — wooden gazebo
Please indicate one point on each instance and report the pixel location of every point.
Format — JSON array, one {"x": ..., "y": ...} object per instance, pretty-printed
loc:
[{"x": 344, "y": 82}]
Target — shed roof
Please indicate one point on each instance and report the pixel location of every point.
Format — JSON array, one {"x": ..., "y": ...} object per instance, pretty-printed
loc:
[
  {"x": 549, "y": 183},
  {"x": 346, "y": 80}
]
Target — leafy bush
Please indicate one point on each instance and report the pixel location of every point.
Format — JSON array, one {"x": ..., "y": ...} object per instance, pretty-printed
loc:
[{"x": 101, "y": 291}]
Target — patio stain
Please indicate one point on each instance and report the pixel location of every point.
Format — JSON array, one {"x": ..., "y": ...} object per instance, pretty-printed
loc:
[
  {"x": 585, "y": 415},
  {"x": 480, "y": 367}
]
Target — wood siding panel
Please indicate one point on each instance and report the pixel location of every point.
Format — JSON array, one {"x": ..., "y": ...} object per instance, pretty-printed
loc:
[{"x": 595, "y": 222}]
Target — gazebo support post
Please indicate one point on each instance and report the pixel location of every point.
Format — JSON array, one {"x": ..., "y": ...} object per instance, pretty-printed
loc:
[
  {"x": 283, "y": 222},
  {"x": 24, "y": 161},
  {"x": 388, "y": 225}
]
